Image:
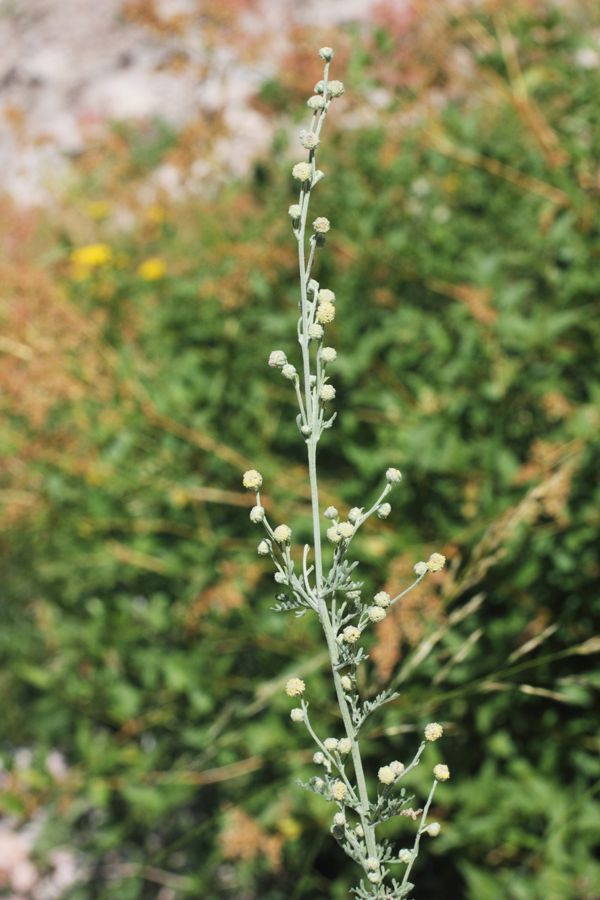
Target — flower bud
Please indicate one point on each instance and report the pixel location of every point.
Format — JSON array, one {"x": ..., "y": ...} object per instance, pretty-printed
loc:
[
  {"x": 321, "y": 225},
  {"x": 420, "y": 568},
  {"x": 346, "y": 682},
  {"x": 263, "y": 548},
  {"x": 345, "y": 745},
  {"x": 295, "y": 211},
  {"x": 394, "y": 476},
  {"x": 252, "y": 480},
  {"x": 333, "y": 535},
  {"x": 319, "y": 87},
  {"x": 328, "y": 354},
  {"x": 309, "y": 140},
  {"x": 376, "y": 614},
  {"x": 282, "y": 534},
  {"x": 434, "y": 829},
  {"x": 331, "y": 512},
  {"x": 335, "y": 88},
  {"x": 382, "y": 599},
  {"x": 297, "y": 715},
  {"x": 302, "y": 170},
  {"x": 318, "y": 758},
  {"x": 351, "y": 634},
  {"x": 326, "y": 313},
  {"x": 441, "y": 773},
  {"x": 326, "y": 53},
  {"x": 330, "y": 744},
  {"x": 257, "y": 514},
  {"x": 315, "y": 102},
  {"x": 327, "y": 393},
  {"x": 338, "y": 790},
  {"x": 436, "y": 562},
  {"x": 433, "y": 731},
  {"x": 315, "y": 332},
  {"x": 288, "y": 372},
  {"x": 386, "y": 775},
  {"x": 295, "y": 687},
  {"x": 346, "y": 530},
  {"x": 384, "y": 510},
  {"x": 277, "y": 359}
]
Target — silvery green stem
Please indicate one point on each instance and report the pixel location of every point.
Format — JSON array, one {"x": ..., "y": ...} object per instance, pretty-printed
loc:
[
  {"x": 415, "y": 851},
  {"x": 312, "y": 407}
]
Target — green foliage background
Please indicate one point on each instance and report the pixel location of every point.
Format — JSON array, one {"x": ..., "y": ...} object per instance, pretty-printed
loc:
[{"x": 136, "y": 631}]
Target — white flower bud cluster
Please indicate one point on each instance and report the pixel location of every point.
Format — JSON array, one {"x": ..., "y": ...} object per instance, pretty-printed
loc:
[
  {"x": 351, "y": 634},
  {"x": 257, "y": 514},
  {"x": 295, "y": 211},
  {"x": 433, "y": 731},
  {"x": 325, "y": 313},
  {"x": 309, "y": 140},
  {"x": 252, "y": 480},
  {"x": 289, "y": 372},
  {"x": 344, "y": 746},
  {"x": 335, "y": 88},
  {"x": 346, "y": 682},
  {"x": 394, "y": 476},
  {"x": 421, "y": 568},
  {"x": 302, "y": 171},
  {"x": 339, "y": 819},
  {"x": 315, "y": 332},
  {"x": 376, "y": 614},
  {"x": 434, "y": 829},
  {"x": 436, "y": 562},
  {"x": 354, "y": 513},
  {"x": 327, "y": 393},
  {"x": 328, "y": 354},
  {"x": 315, "y": 102},
  {"x": 326, "y": 53},
  {"x": 282, "y": 534},
  {"x": 321, "y": 225},
  {"x": 338, "y": 790},
  {"x": 331, "y": 512},
  {"x": 297, "y": 715},
  {"x": 295, "y": 687},
  {"x": 382, "y": 599},
  {"x": 384, "y": 510},
  {"x": 441, "y": 773},
  {"x": 277, "y": 359}
]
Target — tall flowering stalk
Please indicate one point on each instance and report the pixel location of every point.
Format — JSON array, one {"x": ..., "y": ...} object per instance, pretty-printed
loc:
[{"x": 334, "y": 595}]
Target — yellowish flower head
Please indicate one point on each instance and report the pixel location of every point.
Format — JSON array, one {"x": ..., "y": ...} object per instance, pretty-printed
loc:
[
  {"x": 338, "y": 790},
  {"x": 152, "y": 269},
  {"x": 386, "y": 775},
  {"x": 91, "y": 256},
  {"x": 295, "y": 687},
  {"x": 252, "y": 480},
  {"x": 436, "y": 562},
  {"x": 433, "y": 731},
  {"x": 441, "y": 773}
]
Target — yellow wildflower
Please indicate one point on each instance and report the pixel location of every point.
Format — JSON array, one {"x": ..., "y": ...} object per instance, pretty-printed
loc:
[
  {"x": 91, "y": 255},
  {"x": 152, "y": 269}
]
